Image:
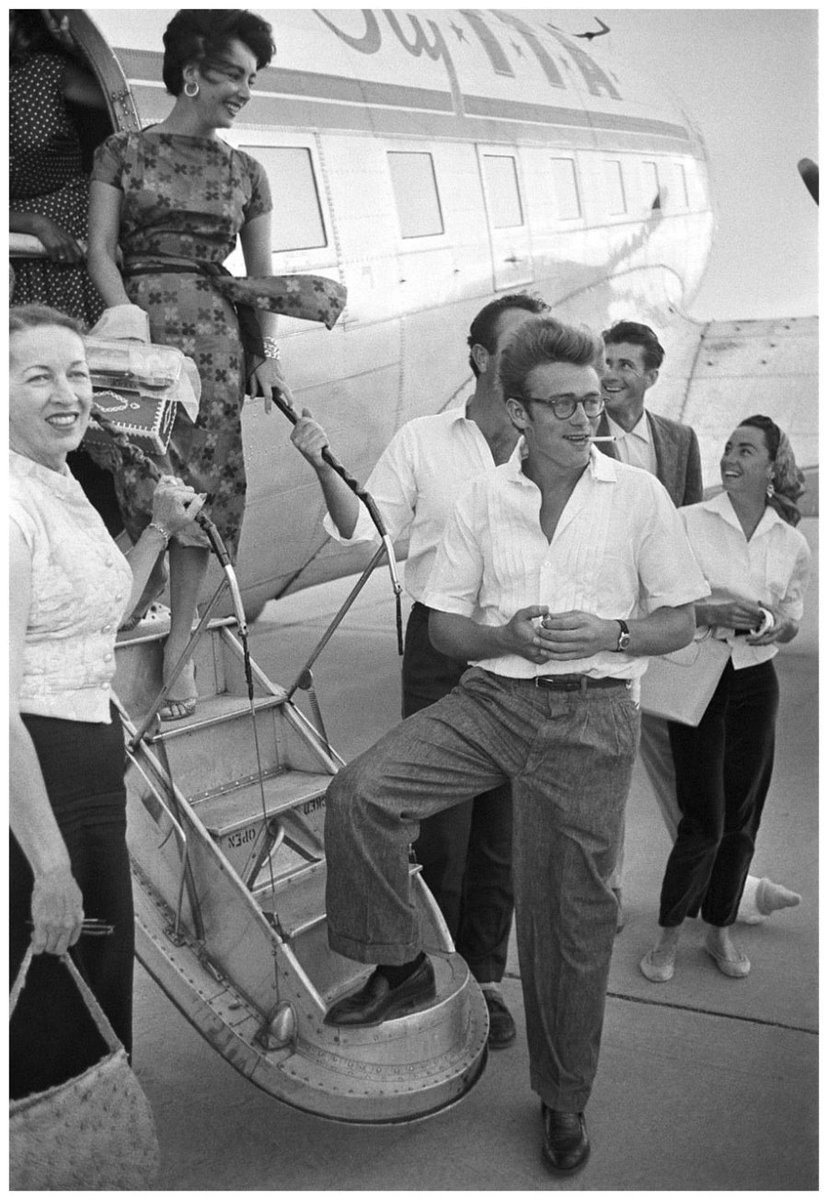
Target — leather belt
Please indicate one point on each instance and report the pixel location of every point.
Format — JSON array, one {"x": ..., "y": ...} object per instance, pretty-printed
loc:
[{"x": 576, "y": 683}]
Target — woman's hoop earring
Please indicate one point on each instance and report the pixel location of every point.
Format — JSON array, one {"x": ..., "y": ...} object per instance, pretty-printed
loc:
[{"x": 192, "y": 95}]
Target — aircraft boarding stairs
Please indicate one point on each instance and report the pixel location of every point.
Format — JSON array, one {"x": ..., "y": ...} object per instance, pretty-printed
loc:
[{"x": 225, "y": 831}]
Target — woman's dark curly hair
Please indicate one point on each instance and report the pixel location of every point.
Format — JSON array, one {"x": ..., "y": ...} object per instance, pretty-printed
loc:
[{"x": 203, "y": 35}]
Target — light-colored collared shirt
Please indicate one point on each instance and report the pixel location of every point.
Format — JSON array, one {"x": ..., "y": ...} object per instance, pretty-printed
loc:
[
  {"x": 771, "y": 569},
  {"x": 619, "y": 547},
  {"x": 80, "y": 586},
  {"x": 415, "y": 484},
  {"x": 636, "y": 447}
]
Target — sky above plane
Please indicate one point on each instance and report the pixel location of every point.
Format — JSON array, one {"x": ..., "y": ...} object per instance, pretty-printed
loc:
[{"x": 748, "y": 78}]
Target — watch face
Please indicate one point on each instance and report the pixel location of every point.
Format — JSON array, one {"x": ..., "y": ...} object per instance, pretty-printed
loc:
[{"x": 623, "y": 641}]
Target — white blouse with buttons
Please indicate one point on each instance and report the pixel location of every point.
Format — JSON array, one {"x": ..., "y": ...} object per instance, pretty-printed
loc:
[
  {"x": 80, "y": 588},
  {"x": 772, "y": 569}
]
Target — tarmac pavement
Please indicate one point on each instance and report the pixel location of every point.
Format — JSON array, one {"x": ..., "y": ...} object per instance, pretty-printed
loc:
[{"x": 704, "y": 1082}]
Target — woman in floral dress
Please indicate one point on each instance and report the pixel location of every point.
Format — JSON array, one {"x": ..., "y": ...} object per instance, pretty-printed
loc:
[{"x": 174, "y": 197}]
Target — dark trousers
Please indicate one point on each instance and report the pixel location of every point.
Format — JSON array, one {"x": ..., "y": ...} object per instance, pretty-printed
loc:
[
  {"x": 52, "y": 1036},
  {"x": 723, "y": 772},
  {"x": 465, "y": 851}
]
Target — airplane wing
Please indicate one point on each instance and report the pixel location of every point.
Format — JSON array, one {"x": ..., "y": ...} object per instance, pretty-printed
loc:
[{"x": 718, "y": 372}]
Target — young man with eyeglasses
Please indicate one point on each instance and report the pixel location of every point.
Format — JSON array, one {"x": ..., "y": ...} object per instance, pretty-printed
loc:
[
  {"x": 541, "y": 566},
  {"x": 465, "y": 851}
]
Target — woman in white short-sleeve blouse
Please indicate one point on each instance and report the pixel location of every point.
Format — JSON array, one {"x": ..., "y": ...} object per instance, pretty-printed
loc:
[
  {"x": 70, "y": 585},
  {"x": 757, "y": 565}
]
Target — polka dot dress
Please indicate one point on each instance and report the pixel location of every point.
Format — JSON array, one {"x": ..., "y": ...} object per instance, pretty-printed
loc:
[{"x": 46, "y": 177}]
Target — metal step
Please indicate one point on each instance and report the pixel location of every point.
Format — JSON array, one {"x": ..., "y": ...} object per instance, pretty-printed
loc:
[
  {"x": 216, "y": 748},
  {"x": 218, "y": 660},
  {"x": 231, "y": 811},
  {"x": 213, "y": 710},
  {"x": 280, "y": 819}
]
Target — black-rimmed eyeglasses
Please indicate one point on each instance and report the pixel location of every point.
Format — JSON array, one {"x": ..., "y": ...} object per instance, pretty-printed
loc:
[{"x": 564, "y": 406}]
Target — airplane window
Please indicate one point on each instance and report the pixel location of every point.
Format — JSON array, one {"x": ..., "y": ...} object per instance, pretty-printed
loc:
[
  {"x": 502, "y": 190},
  {"x": 616, "y": 200},
  {"x": 650, "y": 186},
  {"x": 565, "y": 189},
  {"x": 296, "y": 220},
  {"x": 415, "y": 192}
]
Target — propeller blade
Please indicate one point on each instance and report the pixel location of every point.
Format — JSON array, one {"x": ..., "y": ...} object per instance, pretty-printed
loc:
[{"x": 810, "y": 177}]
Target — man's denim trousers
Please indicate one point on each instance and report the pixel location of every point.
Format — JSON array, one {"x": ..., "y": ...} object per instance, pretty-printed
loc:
[{"x": 569, "y": 755}]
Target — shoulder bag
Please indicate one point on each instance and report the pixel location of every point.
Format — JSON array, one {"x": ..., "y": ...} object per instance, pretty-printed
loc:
[
  {"x": 94, "y": 1131},
  {"x": 680, "y": 686}
]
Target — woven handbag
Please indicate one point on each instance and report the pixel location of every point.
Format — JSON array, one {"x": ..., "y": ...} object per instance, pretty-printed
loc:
[{"x": 94, "y": 1131}]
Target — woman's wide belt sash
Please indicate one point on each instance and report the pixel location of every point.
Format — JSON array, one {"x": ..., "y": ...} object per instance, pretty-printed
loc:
[{"x": 308, "y": 297}]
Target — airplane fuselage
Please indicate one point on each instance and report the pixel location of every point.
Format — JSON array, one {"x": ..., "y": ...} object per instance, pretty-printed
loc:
[{"x": 430, "y": 160}]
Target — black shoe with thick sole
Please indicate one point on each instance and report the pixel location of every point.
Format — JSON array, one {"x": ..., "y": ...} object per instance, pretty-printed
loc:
[
  {"x": 378, "y": 1001},
  {"x": 502, "y": 1029},
  {"x": 565, "y": 1141}
]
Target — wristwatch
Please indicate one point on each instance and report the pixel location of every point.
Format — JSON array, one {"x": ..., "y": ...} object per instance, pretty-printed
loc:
[{"x": 623, "y": 642}]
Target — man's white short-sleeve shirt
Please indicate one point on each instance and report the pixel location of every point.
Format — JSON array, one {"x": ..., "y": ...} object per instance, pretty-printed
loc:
[{"x": 619, "y": 549}]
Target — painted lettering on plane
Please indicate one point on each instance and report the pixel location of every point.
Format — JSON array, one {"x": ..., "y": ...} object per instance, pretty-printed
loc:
[
  {"x": 438, "y": 49},
  {"x": 371, "y": 41},
  {"x": 535, "y": 45},
  {"x": 417, "y": 43},
  {"x": 596, "y": 80}
]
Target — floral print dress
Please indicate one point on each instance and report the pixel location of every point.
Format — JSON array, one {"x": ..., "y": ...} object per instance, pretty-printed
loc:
[{"x": 185, "y": 200}]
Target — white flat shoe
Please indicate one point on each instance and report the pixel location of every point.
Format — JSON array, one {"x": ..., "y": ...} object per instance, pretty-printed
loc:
[
  {"x": 734, "y": 968},
  {"x": 661, "y": 969}
]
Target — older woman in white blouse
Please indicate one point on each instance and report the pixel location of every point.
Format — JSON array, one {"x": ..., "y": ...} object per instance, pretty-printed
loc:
[
  {"x": 757, "y": 566},
  {"x": 70, "y": 587}
]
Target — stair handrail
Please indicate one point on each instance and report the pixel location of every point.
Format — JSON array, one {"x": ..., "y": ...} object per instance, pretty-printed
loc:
[
  {"x": 305, "y": 672},
  {"x": 374, "y": 513},
  {"x": 184, "y": 848}
]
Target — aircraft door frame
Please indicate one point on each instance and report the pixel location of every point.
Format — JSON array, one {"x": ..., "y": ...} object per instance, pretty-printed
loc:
[
  {"x": 103, "y": 63},
  {"x": 511, "y": 245}
]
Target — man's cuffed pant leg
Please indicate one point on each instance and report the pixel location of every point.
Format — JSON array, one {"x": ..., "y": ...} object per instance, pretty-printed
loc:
[{"x": 440, "y": 757}]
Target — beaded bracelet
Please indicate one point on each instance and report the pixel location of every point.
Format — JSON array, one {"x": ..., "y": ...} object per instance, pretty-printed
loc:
[
  {"x": 271, "y": 348},
  {"x": 160, "y": 529}
]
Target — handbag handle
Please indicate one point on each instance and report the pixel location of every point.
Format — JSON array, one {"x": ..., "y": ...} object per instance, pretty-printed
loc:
[
  {"x": 17, "y": 987},
  {"x": 98, "y": 1015}
]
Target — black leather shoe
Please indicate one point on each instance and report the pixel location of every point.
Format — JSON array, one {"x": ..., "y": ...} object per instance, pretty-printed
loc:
[
  {"x": 502, "y": 1030},
  {"x": 565, "y": 1141},
  {"x": 378, "y": 1001}
]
